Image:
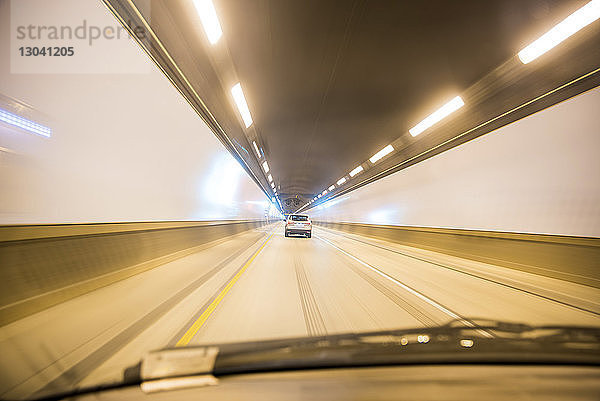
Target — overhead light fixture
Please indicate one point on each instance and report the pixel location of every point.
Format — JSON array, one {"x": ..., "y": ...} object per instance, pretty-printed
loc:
[
  {"x": 341, "y": 181},
  {"x": 444, "y": 111},
  {"x": 270, "y": 177},
  {"x": 324, "y": 192},
  {"x": 265, "y": 166},
  {"x": 319, "y": 196},
  {"x": 25, "y": 124},
  {"x": 356, "y": 171},
  {"x": 272, "y": 185},
  {"x": 382, "y": 153},
  {"x": 256, "y": 149},
  {"x": 331, "y": 188},
  {"x": 567, "y": 27},
  {"x": 315, "y": 198},
  {"x": 240, "y": 102},
  {"x": 210, "y": 21}
]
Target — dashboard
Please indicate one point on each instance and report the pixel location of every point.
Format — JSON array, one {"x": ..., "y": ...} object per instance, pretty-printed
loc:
[{"x": 446, "y": 382}]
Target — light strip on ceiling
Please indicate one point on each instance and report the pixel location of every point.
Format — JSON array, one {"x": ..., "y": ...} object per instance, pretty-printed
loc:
[
  {"x": 270, "y": 177},
  {"x": 331, "y": 188},
  {"x": 567, "y": 27},
  {"x": 23, "y": 123},
  {"x": 240, "y": 102},
  {"x": 341, "y": 181},
  {"x": 265, "y": 166},
  {"x": 210, "y": 21},
  {"x": 381, "y": 154},
  {"x": 256, "y": 149},
  {"x": 356, "y": 171},
  {"x": 441, "y": 113}
]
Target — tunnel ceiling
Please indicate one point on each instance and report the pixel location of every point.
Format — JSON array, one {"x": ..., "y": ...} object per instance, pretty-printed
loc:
[{"x": 329, "y": 83}]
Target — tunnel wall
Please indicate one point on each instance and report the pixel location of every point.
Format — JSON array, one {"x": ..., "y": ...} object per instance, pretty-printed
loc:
[
  {"x": 125, "y": 147},
  {"x": 536, "y": 175},
  {"x": 43, "y": 265},
  {"x": 522, "y": 196},
  {"x": 574, "y": 259}
]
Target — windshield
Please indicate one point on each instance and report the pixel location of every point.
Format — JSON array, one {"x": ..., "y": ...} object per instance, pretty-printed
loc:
[{"x": 155, "y": 155}]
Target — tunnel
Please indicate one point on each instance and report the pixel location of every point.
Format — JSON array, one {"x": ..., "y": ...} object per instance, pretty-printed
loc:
[{"x": 282, "y": 199}]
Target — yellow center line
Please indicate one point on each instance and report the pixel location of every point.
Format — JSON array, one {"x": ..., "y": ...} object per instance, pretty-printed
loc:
[{"x": 191, "y": 332}]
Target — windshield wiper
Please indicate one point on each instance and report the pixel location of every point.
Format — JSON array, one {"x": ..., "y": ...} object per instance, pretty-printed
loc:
[
  {"x": 454, "y": 343},
  {"x": 479, "y": 342}
]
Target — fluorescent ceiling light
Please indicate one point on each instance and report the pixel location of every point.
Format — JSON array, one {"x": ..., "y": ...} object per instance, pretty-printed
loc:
[
  {"x": 256, "y": 149},
  {"x": 331, "y": 188},
  {"x": 210, "y": 21},
  {"x": 383, "y": 152},
  {"x": 324, "y": 192},
  {"x": 567, "y": 27},
  {"x": 315, "y": 198},
  {"x": 444, "y": 111},
  {"x": 23, "y": 123},
  {"x": 356, "y": 171},
  {"x": 341, "y": 181},
  {"x": 240, "y": 102},
  {"x": 272, "y": 185},
  {"x": 265, "y": 166},
  {"x": 270, "y": 177}
]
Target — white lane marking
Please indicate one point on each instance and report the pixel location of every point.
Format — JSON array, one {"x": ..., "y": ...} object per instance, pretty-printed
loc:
[{"x": 407, "y": 288}]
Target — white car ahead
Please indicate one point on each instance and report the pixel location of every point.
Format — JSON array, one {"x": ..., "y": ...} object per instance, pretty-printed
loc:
[{"x": 298, "y": 224}]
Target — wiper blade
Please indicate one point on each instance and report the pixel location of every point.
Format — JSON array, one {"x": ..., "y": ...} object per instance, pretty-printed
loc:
[
  {"x": 453, "y": 343},
  {"x": 511, "y": 343}
]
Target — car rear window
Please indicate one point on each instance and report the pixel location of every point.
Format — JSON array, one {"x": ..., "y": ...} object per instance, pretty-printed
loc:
[{"x": 299, "y": 218}]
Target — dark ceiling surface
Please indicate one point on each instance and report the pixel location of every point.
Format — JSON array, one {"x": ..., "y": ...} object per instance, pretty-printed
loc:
[{"x": 329, "y": 83}]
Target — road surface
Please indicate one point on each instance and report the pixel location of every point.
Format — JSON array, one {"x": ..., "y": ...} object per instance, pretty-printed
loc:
[{"x": 260, "y": 285}]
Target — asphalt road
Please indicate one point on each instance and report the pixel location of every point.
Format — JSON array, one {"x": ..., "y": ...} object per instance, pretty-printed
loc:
[{"x": 260, "y": 285}]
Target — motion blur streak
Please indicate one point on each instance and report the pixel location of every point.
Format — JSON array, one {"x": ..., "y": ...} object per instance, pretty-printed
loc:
[{"x": 24, "y": 123}]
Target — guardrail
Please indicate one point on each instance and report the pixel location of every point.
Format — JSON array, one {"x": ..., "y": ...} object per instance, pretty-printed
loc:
[
  {"x": 43, "y": 265},
  {"x": 574, "y": 259}
]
